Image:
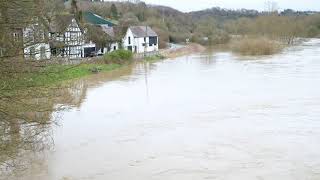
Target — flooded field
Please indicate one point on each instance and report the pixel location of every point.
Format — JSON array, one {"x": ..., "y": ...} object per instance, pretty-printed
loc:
[{"x": 205, "y": 116}]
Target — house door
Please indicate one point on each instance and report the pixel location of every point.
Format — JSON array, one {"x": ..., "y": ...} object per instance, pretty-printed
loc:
[
  {"x": 135, "y": 49},
  {"x": 130, "y": 48}
]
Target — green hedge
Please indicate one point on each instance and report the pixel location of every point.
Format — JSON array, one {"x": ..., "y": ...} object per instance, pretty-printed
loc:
[{"x": 118, "y": 57}]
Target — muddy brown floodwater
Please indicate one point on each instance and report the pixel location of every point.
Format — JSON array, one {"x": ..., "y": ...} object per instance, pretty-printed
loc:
[{"x": 209, "y": 116}]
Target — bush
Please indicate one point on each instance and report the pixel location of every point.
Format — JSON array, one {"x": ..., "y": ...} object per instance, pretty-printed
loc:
[
  {"x": 118, "y": 57},
  {"x": 255, "y": 46}
]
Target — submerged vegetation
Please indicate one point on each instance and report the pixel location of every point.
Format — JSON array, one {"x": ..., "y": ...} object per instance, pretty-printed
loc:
[{"x": 255, "y": 46}]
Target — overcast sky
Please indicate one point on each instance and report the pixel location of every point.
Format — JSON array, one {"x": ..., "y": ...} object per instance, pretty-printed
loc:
[{"x": 192, "y": 5}]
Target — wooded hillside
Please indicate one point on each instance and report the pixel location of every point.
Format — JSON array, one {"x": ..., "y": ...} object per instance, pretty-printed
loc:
[{"x": 210, "y": 26}]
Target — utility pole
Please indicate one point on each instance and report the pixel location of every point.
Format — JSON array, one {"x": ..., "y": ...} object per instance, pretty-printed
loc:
[
  {"x": 145, "y": 42},
  {"x": 163, "y": 14}
]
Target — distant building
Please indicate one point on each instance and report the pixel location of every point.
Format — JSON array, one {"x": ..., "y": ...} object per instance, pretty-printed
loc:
[
  {"x": 140, "y": 39},
  {"x": 107, "y": 26},
  {"x": 114, "y": 43}
]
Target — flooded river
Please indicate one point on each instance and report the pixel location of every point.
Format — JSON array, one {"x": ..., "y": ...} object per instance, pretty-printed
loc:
[{"x": 211, "y": 116}]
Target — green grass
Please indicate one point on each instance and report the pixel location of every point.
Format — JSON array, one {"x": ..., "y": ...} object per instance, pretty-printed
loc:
[
  {"x": 119, "y": 57},
  {"x": 55, "y": 74},
  {"x": 59, "y": 73}
]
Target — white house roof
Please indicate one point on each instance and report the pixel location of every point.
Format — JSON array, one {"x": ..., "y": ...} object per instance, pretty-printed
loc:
[{"x": 142, "y": 31}]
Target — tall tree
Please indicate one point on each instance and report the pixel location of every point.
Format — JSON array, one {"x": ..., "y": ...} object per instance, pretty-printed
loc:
[
  {"x": 114, "y": 11},
  {"x": 75, "y": 10},
  {"x": 74, "y": 6},
  {"x": 14, "y": 15}
]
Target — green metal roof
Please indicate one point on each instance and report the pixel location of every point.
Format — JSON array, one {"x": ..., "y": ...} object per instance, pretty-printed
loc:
[{"x": 95, "y": 19}]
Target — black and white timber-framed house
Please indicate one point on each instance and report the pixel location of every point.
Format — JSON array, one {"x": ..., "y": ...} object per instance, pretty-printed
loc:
[{"x": 66, "y": 37}]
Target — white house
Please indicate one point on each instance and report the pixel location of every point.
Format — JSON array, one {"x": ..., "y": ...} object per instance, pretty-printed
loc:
[
  {"x": 140, "y": 39},
  {"x": 113, "y": 44},
  {"x": 107, "y": 29},
  {"x": 35, "y": 43},
  {"x": 39, "y": 51}
]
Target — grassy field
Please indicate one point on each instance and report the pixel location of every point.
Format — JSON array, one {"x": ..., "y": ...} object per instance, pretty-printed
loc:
[
  {"x": 24, "y": 74},
  {"x": 58, "y": 73},
  {"x": 52, "y": 75}
]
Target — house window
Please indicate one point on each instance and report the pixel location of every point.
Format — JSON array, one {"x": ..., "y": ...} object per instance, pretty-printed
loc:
[
  {"x": 145, "y": 39},
  {"x": 51, "y": 35},
  {"x": 43, "y": 52},
  {"x": 16, "y": 36},
  {"x": 32, "y": 53},
  {"x": 129, "y": 39},
  {"x": 153, "y": 41}
]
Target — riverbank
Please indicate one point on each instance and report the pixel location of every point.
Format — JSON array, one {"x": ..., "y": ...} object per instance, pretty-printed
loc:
[
  {"x": 51, "y": 75},
  {"x": 54, "y": 74}
]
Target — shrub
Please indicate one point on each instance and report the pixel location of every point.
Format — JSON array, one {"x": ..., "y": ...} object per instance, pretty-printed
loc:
[
  {"x": 118, "y": 57},
  {"x": 255, "y": 46}
]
